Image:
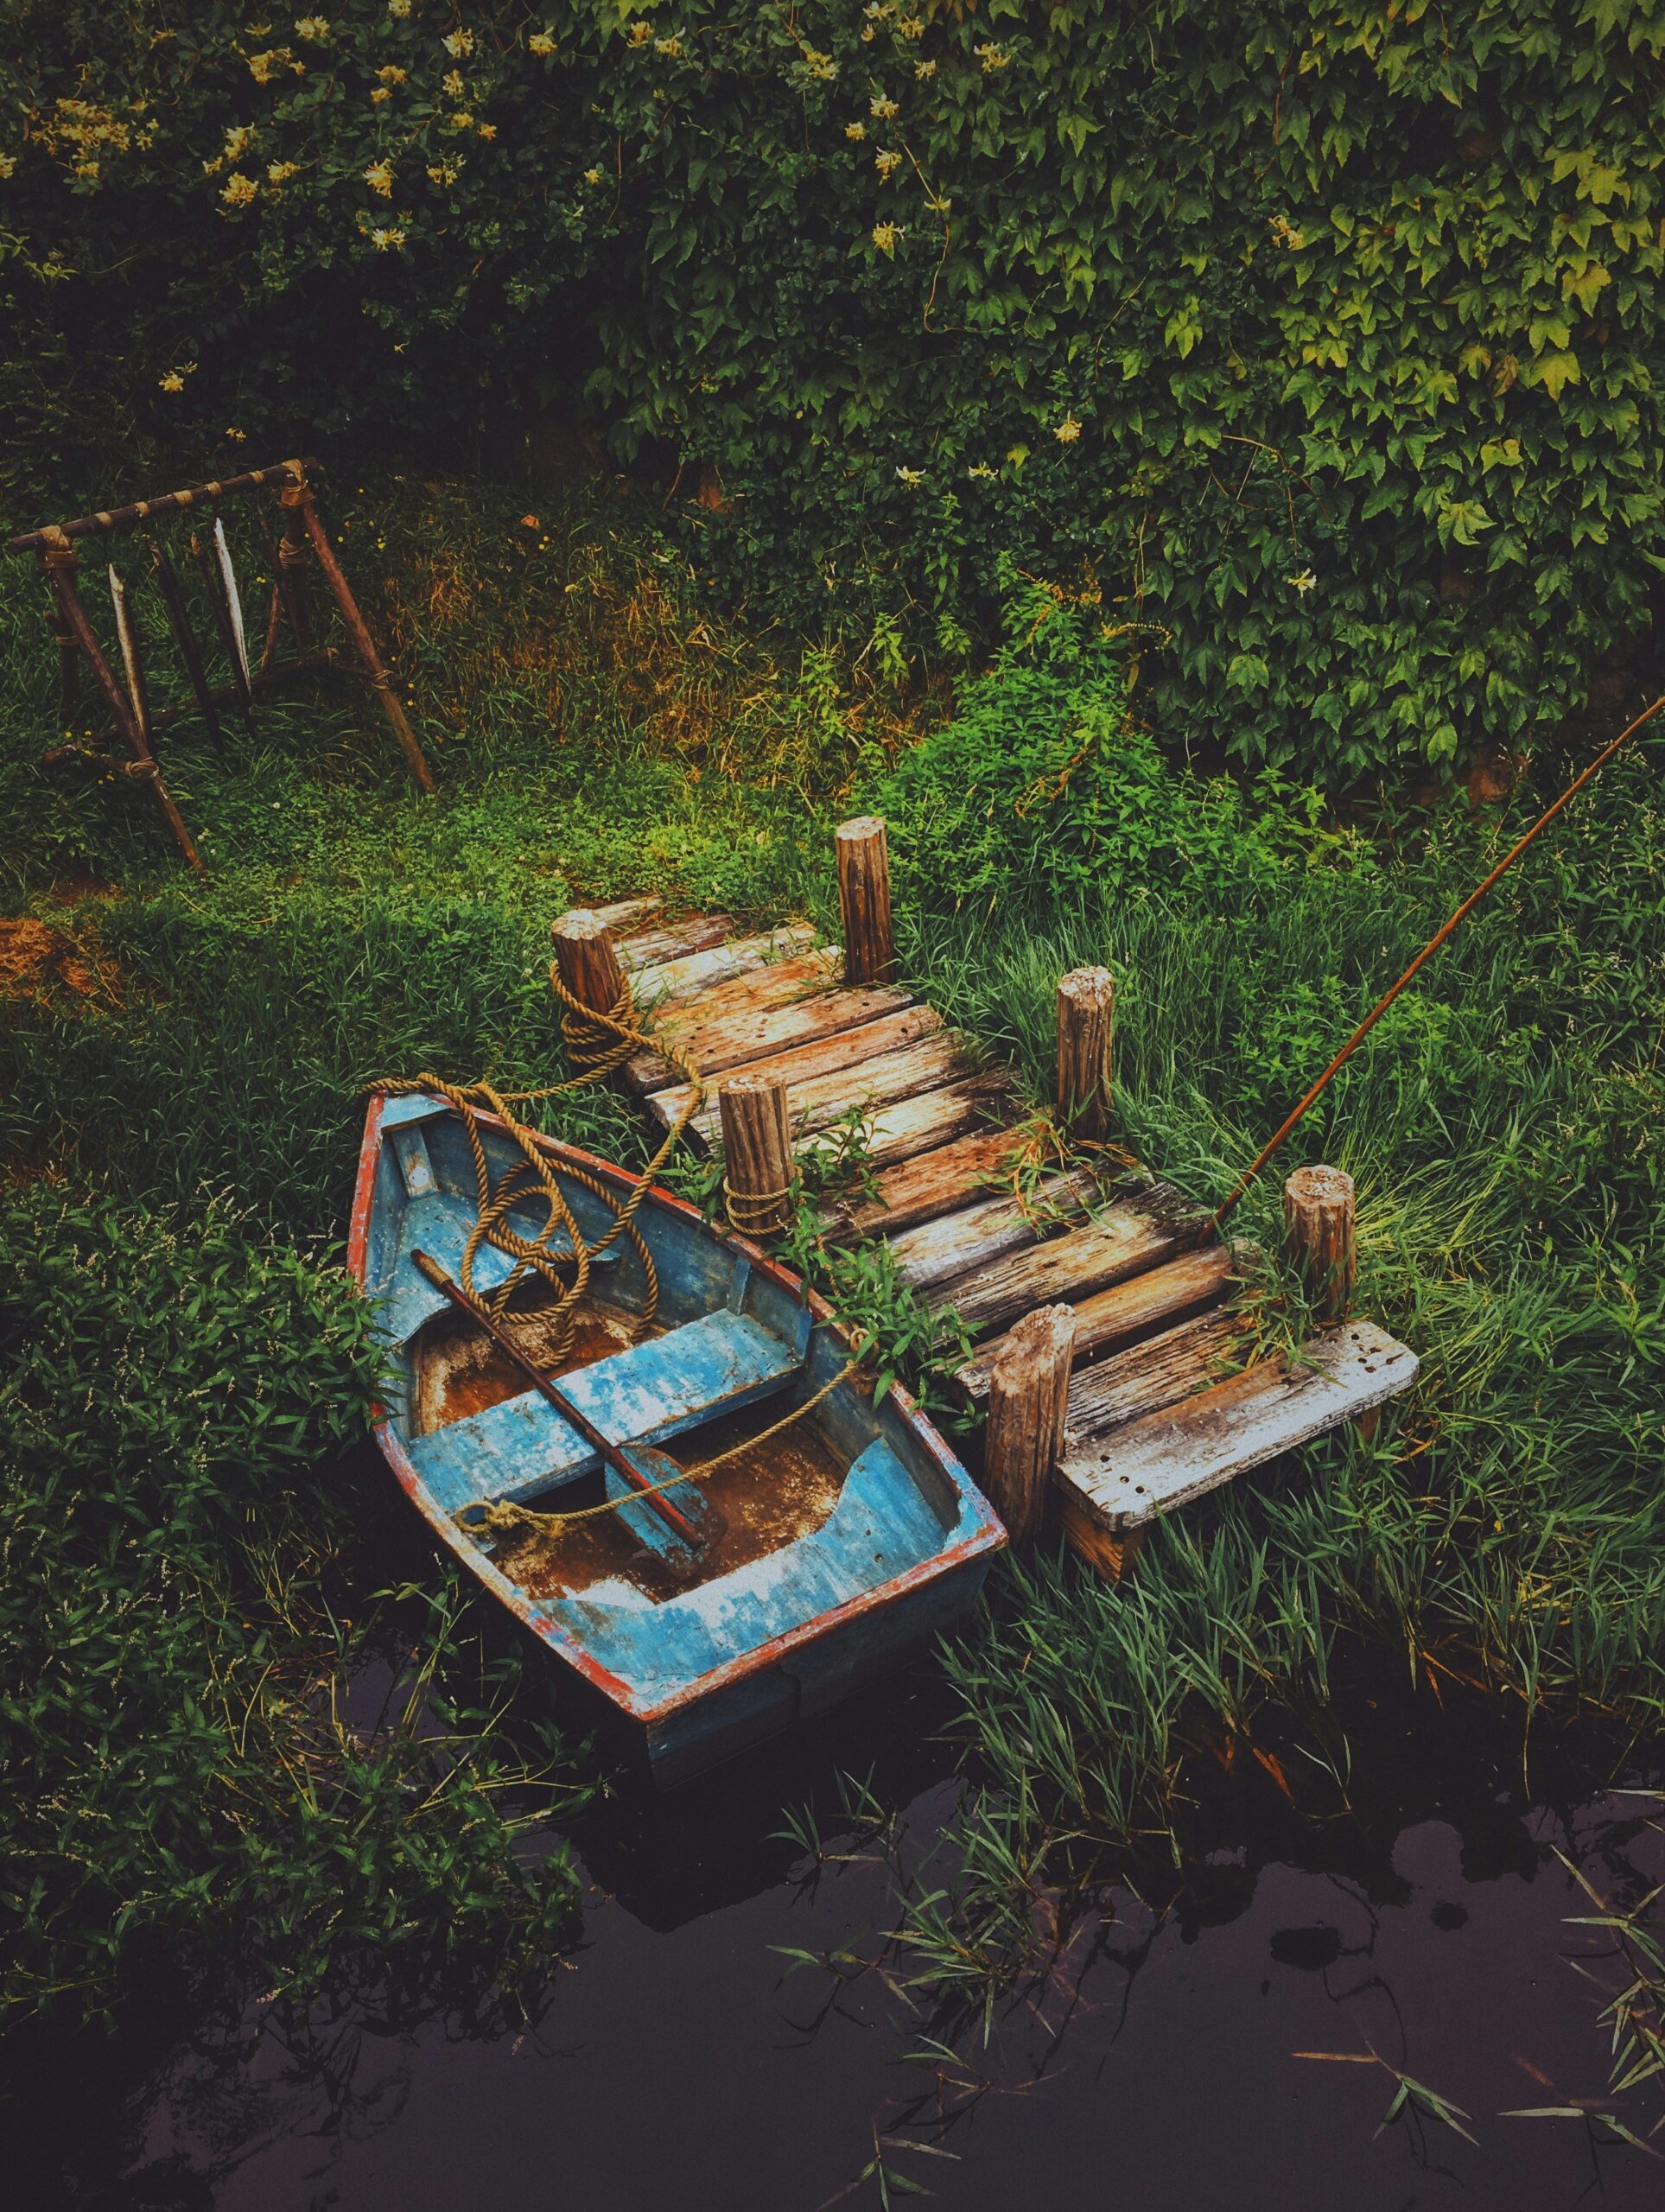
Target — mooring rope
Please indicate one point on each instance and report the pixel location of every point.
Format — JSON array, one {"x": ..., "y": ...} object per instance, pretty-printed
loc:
[
  {"x": 597, "y": 1046},
  {"x": 1275, "y": 1141}
]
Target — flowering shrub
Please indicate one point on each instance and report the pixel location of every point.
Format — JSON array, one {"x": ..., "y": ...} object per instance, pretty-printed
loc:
[{"x": 1323, "y": 333}]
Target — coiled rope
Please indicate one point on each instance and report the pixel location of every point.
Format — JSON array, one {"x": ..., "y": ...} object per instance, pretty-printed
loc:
[{"x": 597, "y": 1046}]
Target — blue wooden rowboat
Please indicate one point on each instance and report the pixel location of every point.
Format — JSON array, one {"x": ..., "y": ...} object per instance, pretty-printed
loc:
[{"x": 843, "y": 1541}]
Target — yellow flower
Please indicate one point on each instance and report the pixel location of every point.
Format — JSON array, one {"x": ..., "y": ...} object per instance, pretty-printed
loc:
[
  {"x": 7, "y": 166},
  {"x": 885, "y": 236},
  {"x": 263, "y": 67},
  {"x": 992, "y": 57},
  {"x": 462, "y": 120},
  {"x": 592, "y": 176},
  {"x": 312, "y": 27},
  {"x": 458, "y": 44},
  {"x": 392, "y": 74},
  {"x": 640, "y": 32},
  {"x": 488, "y": 130},
  {"x": 172, "y": 382},
  {"x": 922, "y": 69},
  {"x": 379, "y": 93},
  {"x": 820, "y": 64},
  {"x": 886, "y": 162},
  {"x": 1067, "y": 431},
  {"x": 910, "y": 27},
  {"x": 445, "y": 172},
  {"x": 238, "y": 141},
  {"x": 1304, "y": 583},
  {"x": 980, "y": 468},
  {"x": 540, "y": 43},
  {"x": 856, "y": 130},
  {"x": 239, "y": 190},
  {"x": 280, "y": 172},
  {"x": 239, "y": 436},
  {"x": 451, "y": 83},
  {"x": 388, "y": 241},
  {"x": 884, "y": 109},
  {"x": 911, "y": 475},
  {"x": 380, "y": 177},
  {"x": 672, "y": 46},
  {"x": 1284, "y": 233},
  {"x": 398, "y": 7}
]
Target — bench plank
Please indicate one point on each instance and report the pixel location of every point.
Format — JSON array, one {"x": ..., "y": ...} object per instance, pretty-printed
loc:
[{"x": 690, "y": 1375}]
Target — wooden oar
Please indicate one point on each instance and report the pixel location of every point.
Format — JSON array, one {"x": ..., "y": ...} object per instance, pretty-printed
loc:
[
  {"x": 638, "y": 1464},
  {"x": 178, "y": 621}
]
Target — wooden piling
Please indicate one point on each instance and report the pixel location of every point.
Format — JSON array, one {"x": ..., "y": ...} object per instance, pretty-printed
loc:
[
  {"x": 586, "y": 961},
  {"x": 864, "y": 900},
  {"x": 358, "y": 630},
  {"x": 1028, "y": 1395},
  {"x": 1317, "y": 1219},
  {"x": 757, "y": 1150},
  {"x": 1086, "y": 1000}
]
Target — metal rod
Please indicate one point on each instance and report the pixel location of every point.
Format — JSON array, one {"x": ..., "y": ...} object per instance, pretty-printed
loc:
[
  {"x": 1422, "y": 957},
  {"x": 36, "y": 541}
]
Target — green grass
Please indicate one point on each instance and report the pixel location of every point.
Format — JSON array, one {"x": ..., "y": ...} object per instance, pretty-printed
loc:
[{"x": 596, "y": 737}]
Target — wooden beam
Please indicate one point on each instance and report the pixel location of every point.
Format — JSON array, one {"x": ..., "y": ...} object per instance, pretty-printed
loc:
[
  {"x": 923, "y": 1188},
  {"x": 1164, "y": 1459},
  {"x": 932, "y": 1255},
  {"x": 748, "y": 1032},
  {"x": 1192, "y": 1356},
  {"x": 673, "y": 981},
  {"x": 890, "y": 1058}
]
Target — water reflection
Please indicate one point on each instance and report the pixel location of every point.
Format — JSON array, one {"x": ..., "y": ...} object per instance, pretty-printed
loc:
[{"x": 1227, "y": 2033}]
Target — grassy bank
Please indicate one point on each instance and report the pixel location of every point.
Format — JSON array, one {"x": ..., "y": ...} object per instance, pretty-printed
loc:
[{"x": 195, "y": 1051}]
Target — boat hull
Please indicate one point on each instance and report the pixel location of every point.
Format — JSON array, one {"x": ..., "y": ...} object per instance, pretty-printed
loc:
[{"x": 694, "y": 1687}]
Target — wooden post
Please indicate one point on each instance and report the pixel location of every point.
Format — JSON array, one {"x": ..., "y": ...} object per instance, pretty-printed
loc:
[
  {"x": 1086, "y": 1000},
  {"x": 586, "y": 961},
  {"x": 358, "y": 630},
  {"x": 1028, "y": 1395},
  {"x": 757, "y": 1150},
  {"x": 1317, "y": 1219},
  {"x": 864, "y": 900},
  {"x": 60, "y": 562},
  {"x": 290, "y": 569}
]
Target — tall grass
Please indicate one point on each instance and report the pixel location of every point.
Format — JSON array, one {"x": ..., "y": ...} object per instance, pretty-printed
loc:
[{"x": 1507, "y": 1523}]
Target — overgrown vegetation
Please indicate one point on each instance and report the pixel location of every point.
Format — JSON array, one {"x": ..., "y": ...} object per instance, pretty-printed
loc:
[
  {"x": 1321, "y": 334},
  {"x": 187, "y": 1761}
]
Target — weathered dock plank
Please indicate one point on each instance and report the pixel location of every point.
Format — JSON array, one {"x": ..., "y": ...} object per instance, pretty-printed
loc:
[
  {"x": 817, "y": 1101},
  {"x": 1128, "y": 1309},
  {"x": 930, "y": 1183},
  {"x": 673, "y": 941},
  {"x": 669, "y": 980},
  {"x": 1164, "y": 1459},
  {"x": 931, "y": 1118},
  {"x": 937, "y": 1252},
  {"x": 1191, "y": 1356},
  {"x": 1138, "y": 1231},
  {"x": 752, "y": 1032},
  {"x": 846, "y": 1051}
]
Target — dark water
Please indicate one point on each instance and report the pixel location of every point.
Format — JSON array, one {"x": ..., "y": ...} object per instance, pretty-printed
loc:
[{"x": 680, "y": 2063}]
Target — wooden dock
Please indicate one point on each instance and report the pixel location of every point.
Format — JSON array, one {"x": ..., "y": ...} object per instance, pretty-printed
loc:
[{"x": 1113, "y": 1352}]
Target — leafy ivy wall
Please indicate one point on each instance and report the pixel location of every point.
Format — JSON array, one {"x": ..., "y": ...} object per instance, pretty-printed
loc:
[{"x": 1323, "y": 338}]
